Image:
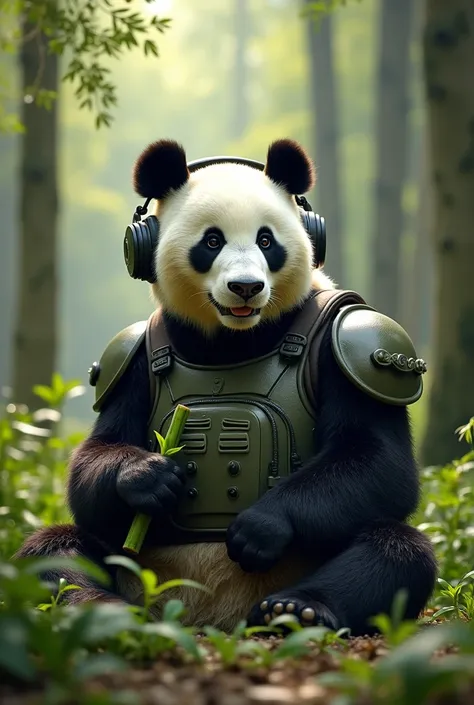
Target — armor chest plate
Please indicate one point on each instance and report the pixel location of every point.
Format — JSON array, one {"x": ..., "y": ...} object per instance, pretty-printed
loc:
[{"x": 248, "y": 427}]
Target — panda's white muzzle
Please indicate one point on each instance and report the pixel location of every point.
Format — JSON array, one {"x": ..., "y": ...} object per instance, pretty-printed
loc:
[{"x": 240, "y": 292}]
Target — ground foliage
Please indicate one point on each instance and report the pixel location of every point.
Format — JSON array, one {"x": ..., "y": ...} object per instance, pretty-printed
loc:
[{"x": 112, "y": 653}]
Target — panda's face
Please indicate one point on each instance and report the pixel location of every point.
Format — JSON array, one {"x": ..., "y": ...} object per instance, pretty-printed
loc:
[{"x": 232, "y": 249}]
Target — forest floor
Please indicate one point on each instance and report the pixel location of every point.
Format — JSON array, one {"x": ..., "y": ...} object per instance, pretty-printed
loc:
[{"x": 170, "y": 681}]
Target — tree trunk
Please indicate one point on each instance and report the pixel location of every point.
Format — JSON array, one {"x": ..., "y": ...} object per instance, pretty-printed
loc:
[
  {"x": 449, "y": 62},
  {"x": 418, "y": 288},
  {"x": 326, "y": 140},
  {"x": 391, "y": 143},
  {"x": 35, "y": 341},
  {"x": 7, "y": 248},
  {"x": 240, "y": 112}
]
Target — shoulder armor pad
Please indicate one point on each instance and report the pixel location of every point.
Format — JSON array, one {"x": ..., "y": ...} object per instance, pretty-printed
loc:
[
  {"x": 115, "y": 359},
  {"x": 377, "y": 355}
]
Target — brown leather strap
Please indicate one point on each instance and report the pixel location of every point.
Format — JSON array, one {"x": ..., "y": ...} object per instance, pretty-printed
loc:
[
  {"x": 158, "y": 349},
  {"x": 317, "y": 314}
]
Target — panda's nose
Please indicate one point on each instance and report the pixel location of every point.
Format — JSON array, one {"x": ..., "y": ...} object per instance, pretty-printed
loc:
[{"x": 245, "y": 289}]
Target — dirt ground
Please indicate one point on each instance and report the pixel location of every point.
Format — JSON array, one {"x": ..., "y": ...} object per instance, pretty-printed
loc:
[{"x": 170, "y": 682}]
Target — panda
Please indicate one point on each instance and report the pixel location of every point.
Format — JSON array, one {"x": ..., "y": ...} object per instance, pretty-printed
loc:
[{"x": 296, "y": 481}]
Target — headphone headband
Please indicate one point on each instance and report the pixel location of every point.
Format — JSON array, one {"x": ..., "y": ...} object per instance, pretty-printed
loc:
[{"x": 209, "y": 161}]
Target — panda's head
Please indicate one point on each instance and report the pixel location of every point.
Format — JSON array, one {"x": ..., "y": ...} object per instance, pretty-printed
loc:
[{"x": 232, "y": 250}]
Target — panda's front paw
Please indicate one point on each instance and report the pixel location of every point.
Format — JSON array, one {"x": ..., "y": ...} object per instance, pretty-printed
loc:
[
  {"x": 152, "y": 483},
  {"x": 257, "y": 539}
]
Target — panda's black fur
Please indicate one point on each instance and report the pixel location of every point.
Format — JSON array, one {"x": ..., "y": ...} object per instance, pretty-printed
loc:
[{"x": 347, "y": 508}]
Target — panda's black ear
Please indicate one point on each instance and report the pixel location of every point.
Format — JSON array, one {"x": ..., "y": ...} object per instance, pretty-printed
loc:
[
  {"x": 159, "y": 168},
  {"x": 290, "y": 166}
]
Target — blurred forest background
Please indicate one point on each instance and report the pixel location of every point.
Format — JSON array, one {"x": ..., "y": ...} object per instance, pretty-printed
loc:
[{"x": 231, "y": 76}]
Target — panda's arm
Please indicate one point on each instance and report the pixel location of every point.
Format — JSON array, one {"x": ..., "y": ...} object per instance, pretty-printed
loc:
[
  {"x": 364, "y": 469},
  {"x": 118, "y": 436}
]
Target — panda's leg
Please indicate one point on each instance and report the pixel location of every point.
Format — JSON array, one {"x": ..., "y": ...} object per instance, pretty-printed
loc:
[
  {"x": 71, "y": 541},
  {"x": 360, "y": 582}
]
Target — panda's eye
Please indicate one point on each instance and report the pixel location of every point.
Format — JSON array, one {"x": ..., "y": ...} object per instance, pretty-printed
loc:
[
  {"x": 264, "y": 238},
  {"x": 214, "y": 238}
]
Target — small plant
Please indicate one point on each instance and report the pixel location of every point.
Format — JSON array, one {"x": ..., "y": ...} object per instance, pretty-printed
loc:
[
  {"x": 410, "y": 674},
  {"x": 447, "y": 510},
  {"x": 460, "y": 597},
  {"x": 34, "y": 452},
  {"x": 394, "y": 628}
]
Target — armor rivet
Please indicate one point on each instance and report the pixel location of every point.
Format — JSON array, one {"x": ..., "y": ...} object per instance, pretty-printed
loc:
[
  {"x": 94, "y": 373},
  {"x": 191, "y": 467},
  {"x": 193, "y": 493},
  {"x": 233, "y": 467},
  {"x": 233, "y": 492}
]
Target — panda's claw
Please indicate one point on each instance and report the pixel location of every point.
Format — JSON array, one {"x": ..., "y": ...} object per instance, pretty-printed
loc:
[{"x": 308, "y": 614}]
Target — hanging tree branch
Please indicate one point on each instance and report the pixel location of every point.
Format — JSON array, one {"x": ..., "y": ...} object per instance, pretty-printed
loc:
[{"x": 85, "y": 32}]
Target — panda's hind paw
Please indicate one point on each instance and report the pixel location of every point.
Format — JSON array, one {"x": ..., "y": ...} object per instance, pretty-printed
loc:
[{"x": 309, "y": 613}]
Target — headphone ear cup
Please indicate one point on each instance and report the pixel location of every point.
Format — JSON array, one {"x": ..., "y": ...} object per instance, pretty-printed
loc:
[
  {"x": 315, "y": 226},
  {"x": 320, "y": 246},
  {"x": 139, "y": 245}
]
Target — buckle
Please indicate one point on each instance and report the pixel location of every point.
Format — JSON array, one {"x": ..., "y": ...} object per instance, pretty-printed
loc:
[
  {"x": 293, "y": 346},
  {"x": 161, "y": 360}
]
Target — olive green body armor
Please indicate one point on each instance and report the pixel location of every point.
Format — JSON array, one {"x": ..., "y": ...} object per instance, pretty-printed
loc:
[{"x": 253, "y": 424}]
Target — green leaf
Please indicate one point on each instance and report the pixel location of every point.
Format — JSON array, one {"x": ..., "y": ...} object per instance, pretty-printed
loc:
[
  {"x": 14, "y": 656},
  {"x": 149, "y": 580},
  {"x": 443, "y": 610},
  {"x": 97, "y": 665},
  {"x": 173, "y": 610},
  {"x": 108, "y": 621},
  {"x": 172, "y": 451},
  {"x": 175, "y": 633},
  {"x": 125, "y": 562},
  {"x": 161, "y": 441},
  {"x": 150, "y": 47},
  {"x": 179, "y": 582},
  {"x": 44, "y": 393},
  {"x": 296, "y": 644},
  {"x": 55, "y": 563}
]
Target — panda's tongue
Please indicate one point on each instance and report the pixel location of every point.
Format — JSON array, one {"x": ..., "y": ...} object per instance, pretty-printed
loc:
[{"x": 241, "y": 311}]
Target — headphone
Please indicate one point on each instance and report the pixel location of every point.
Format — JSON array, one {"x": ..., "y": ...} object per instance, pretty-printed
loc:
[{"x": 141, "y": 237}]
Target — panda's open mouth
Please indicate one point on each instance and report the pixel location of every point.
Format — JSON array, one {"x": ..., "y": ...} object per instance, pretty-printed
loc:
[{"x": 236, "y": 311}]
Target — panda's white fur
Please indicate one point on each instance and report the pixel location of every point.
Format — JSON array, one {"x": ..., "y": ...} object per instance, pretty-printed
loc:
[{"x": 239, "y": 200}]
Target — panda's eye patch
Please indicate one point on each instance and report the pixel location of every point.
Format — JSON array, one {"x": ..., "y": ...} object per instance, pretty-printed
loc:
[
  {"x": 213, "y": 237},
  {"x": 264, "y": 238}
]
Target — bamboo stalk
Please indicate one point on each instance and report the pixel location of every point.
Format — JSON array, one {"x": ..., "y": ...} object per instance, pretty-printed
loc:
[{"x": 168, "y": 446}]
